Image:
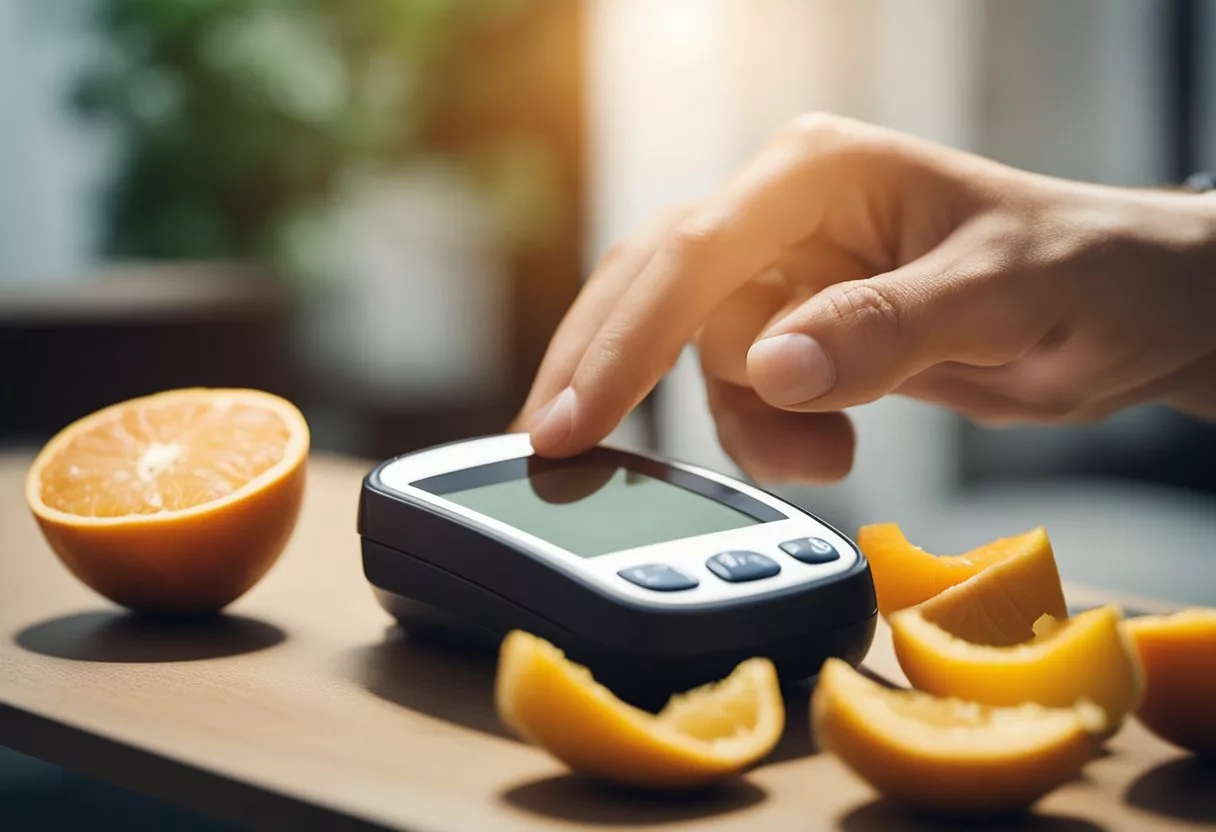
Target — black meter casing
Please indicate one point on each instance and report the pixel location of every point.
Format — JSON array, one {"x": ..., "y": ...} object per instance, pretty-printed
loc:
[{"x": 445, "y": 576}]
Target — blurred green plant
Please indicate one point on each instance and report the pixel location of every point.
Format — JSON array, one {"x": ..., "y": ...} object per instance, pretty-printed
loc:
[{"x": 239, "y": 117}]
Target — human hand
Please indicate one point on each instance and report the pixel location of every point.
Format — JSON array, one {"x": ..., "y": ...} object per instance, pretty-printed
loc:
[{"x": 847, "y": 262}]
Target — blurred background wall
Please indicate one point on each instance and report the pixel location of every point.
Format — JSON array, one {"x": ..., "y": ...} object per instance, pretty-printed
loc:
[
  {"x": 372, "y": 207},
  {"x": 382, "y": 208}
]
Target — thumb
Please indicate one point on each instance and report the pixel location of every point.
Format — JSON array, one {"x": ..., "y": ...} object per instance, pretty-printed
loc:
[{"x": 856, "y": 341}]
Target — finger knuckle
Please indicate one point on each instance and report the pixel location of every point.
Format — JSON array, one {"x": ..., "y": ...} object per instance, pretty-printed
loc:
[
  {"x": 997, "y": 418},
  {"x": 659, "y": 220},
  {"x": 827, "y": 468},
  {"x": 762, "y": 470},
  {"x": 1052, "y": 398},
  {"x": 769, "y": 469},
  {"x": 866, "y": 307},
  {"x": 612, "y": 256},
  {"x": 820, "y": 467},
  {"x": 1052, "y": 412},
  {"x": 817, "y": 127},
  {"x": 826, "y": 138},
  {"x": 609, "y": 352},
  {"x": 692, "y": 240},
  {"x": 732, "y": 441},
  {"x": 673, "y": 212}
]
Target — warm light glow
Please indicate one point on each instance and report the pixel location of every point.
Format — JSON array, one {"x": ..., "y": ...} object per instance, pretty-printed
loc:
[{"x": 682, "y": 28}]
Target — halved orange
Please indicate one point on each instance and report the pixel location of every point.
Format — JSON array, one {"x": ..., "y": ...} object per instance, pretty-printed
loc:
[
  {"x": 1179, "y": 657},
  {"x": 948, "y": 755},
  {"x": 906, "y": 575},
  {"x": 700, "y": 737},
  {"x": 177, "y": 502}
]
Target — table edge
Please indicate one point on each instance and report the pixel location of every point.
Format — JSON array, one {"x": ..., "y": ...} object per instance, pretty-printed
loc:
[{"x": 161, "y": 777}]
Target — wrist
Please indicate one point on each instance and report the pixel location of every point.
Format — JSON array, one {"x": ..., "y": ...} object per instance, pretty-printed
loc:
[
  {"x": 1167, "y": 237},
  {"x": 1181, "y": 225}
]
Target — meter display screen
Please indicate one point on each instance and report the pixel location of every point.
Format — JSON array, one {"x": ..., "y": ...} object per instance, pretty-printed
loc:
[{"x": 591, "y": 508}]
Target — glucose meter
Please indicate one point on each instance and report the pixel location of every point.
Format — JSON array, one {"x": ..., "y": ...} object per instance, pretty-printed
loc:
[{"x": 656, "y": 574}]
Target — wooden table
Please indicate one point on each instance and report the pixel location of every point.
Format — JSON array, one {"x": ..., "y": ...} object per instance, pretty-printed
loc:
[{"x": 305, "y": 708}]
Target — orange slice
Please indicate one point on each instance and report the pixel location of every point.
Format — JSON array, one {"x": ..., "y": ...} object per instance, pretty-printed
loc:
[
  {"x": 1003, "y": 637},
  {"x": 700, "y": 737},
  {"x": 1179, "y": 657},
  {"x": 1086, "y": 657},
  {"x": 177, "y": 502},
  {"x": 1000, "y": 605},
  {"x": 948, "y": 755},
  {"x": 906, "y": 575}
]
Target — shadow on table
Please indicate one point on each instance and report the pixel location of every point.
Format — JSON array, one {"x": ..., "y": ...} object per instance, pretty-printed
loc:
[
  {"x": 883, "y": 815},
  {"x": 1183, "y": 788},
  {"x": 125, "y": 637},
  {"x": 440, "y": 679},
  {"x": 798, "y": 739},
  {"x": 571, "y": 798},
  {"x": 454, "y": 682}
]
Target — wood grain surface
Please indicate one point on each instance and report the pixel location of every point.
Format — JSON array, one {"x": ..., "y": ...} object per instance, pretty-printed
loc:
[{"x": 305, "y": 708}]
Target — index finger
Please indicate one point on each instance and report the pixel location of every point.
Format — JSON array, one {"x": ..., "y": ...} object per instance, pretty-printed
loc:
[
  {"x": 607, "y": 284},
  {"x": 779, "y": 199}
]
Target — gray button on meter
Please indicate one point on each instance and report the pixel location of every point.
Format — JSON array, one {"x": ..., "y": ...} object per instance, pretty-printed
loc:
[
  {"x": 742, "y": 566},
  {"x": 811, "y": 550},
  {"x": 659, "y": 577}
]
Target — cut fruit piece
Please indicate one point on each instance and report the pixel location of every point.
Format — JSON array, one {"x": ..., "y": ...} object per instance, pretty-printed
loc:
[
  {"x": 1178, "y": 653},
  {"x": 999, "y": 606},
  {"x": 1086, "y": 657},
  {"x": 177, "y": 502},
  {"x": 700, "y": 737},
  {"x": 1046, "y": 625},
  {"x": 948, "y": 755},
  {"x": 906, "y": 575}
]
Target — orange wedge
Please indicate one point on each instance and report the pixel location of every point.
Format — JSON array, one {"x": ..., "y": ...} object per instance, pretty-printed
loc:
[
  {"x": 1179, "y": 657},
  {"x": 177, "y": 502},
  {"x": 906, "y": 575},
  {"x": 700, "y": 737},
  {"x": 1087, "y": 657},
  {"x": 948, "y": 755},
  {"x": 1000, "y": 605},
  {"x": 1003, "y": 637}
]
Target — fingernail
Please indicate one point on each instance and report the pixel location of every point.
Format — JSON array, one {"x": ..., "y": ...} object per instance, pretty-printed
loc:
[
  {"x": 553, "y": 423},
  {"x": 790, "y": 369}
]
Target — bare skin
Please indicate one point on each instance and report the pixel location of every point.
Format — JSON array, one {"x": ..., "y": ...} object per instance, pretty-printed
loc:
[{"x": 847, "y": 262}]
